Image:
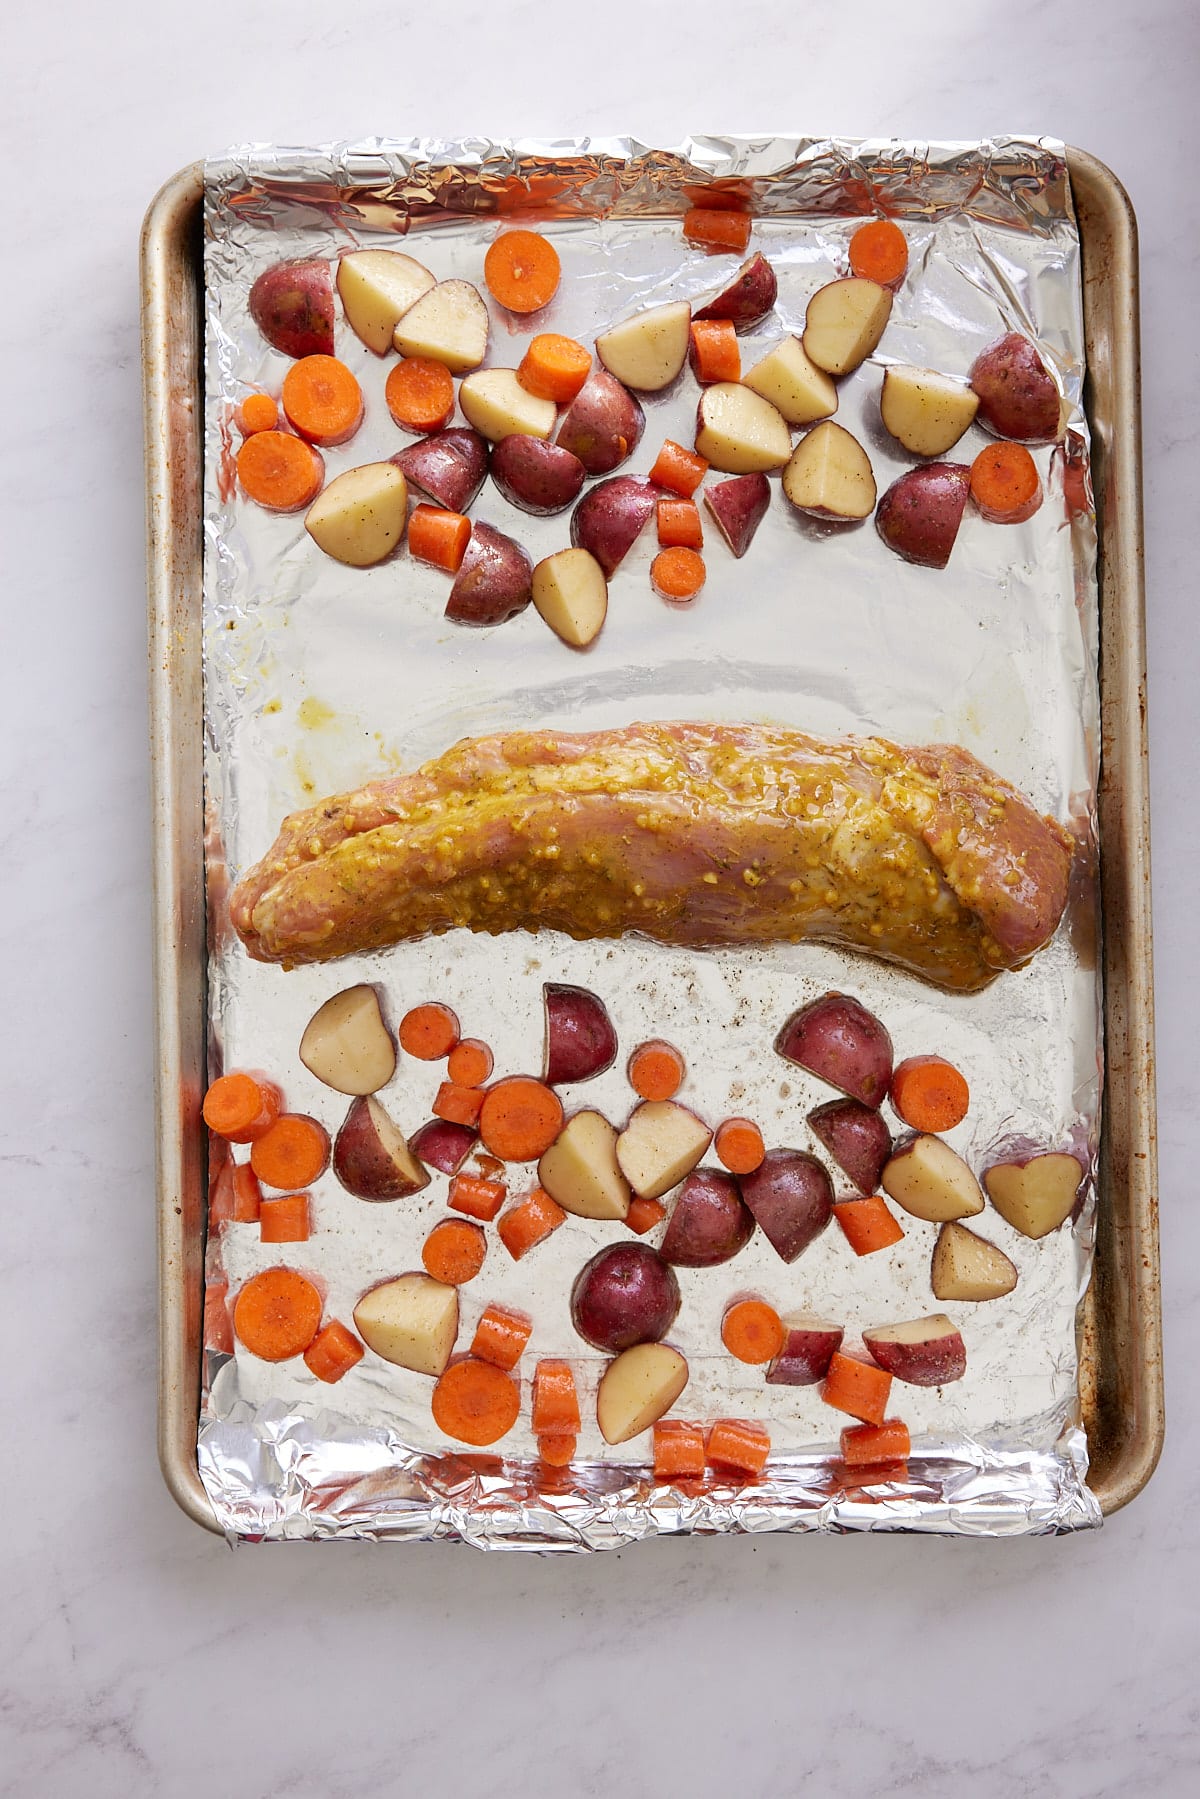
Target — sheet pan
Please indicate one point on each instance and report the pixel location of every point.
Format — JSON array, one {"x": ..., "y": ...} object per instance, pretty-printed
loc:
[{"x": 1121, "y": 1342}]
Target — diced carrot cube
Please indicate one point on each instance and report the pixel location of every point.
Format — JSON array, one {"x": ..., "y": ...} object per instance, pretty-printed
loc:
[
  {"x": 557, "y": 1448},
  {"x": 458, "y": 1105},
  {"x": 644, "y": 1214},
  {"x": 679, "y": 524},
  {"x": 679, "y": 470},
  {"x": 739, "y": 1444},
  {"x": 865, "y": 1445},
  {"x": 285, "y": 1220},
  {"x": 477, "y": 1198},
  {"x": 501, "y": 1336},
  {"x": 858, "y": 1387},
  {"x": 717, "y": 229},
  {"x": 247, "y": 1194},
  {"x": 868, "y": 1224},
  {"x": 333, "y": 1352},
  {"x": 555, "y": 1399},
  {"x": 678, "y": 1450},
  {"x": 529, "y": 1223}
]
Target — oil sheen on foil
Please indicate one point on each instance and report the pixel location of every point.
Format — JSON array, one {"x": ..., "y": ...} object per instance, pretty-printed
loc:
[{"x": 320, "y": 676}]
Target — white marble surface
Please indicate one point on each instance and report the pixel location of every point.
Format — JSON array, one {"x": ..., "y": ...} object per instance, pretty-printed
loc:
[{"x": 141, "y": 1657}]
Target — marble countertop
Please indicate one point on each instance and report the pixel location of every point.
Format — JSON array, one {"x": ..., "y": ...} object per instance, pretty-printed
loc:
[{"x": 139, "y": 1655}]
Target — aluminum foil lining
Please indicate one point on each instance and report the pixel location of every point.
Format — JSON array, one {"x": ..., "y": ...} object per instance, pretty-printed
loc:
[{"x": 318, "y": 676}]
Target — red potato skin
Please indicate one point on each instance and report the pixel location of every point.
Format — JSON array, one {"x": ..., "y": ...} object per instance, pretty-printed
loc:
[
  {"x": 856, "y": 1137},
  {"x": 495, "y": 581},
  {"x": 804, "y": 1358},
  {"x": 292, "y": 305},
  {"x": 791, "y": 1197},
  {"x": 738, "y": 507},
  {"x": 602, "y": 425},
  {"x": 839, "y": 1041},
  {"x": 932, "y": 1364},
  {"x": 746, "y": 299},
  {"x": 1018, "y": 396},
  {"x": 442, "y": 1145},
  {"x": 449, "y": 466},
  {"x": 581, "y": 1040},
  {"x": 919, "y": 515},
  {"x": 625, "y": 1295},
  {"x": 537, "y": 477},
  {"x": 710, "y": 1221},
  {"x": 609, "y": 520},
  {"x": 362, "y": 1165}
]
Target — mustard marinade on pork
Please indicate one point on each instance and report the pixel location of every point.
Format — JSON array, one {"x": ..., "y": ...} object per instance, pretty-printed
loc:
[{"x": 690, "y": 834}]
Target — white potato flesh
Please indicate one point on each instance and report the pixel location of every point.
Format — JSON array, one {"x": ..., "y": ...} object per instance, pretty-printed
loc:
[
  {"x": 361, "y": 516},
  {"x": 448, "y": 324},
  {"x": 580, "y": 1169},
  {"x": 930, "y": 1181},
  {"x": 925, "y": 411},
  {"x": 913, "y": 1330},
  {"x": 393, "y": 1145},
  {"x": 740, "y": 432},
  {"x": 494, "y": 401},
  {"x": 347, "y": 1045},
  {"x": 844, "y": 322},
  {"x": 637, "y": 1388},
  {"x": 570, "y": 592},
  {"x": 411, "y": 1322},
  {"x": 647, "y": 351},
  {"x": 661, "y": 1143},
  {"x": 967, "y": 1267},
  {"x": 1035, "y": 1196},
  {"x": 830, "y": 474},
  {"x": 377, "y": 287},
  {"x": 792, "y": 382}
]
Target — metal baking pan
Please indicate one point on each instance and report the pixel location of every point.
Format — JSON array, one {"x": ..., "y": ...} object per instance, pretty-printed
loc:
[{"x": 1121, "y": 1361}]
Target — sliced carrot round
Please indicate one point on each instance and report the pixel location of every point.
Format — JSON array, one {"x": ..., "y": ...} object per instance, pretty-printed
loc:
[
  {"x": 879, "y": 252},
  {"x": 322, "y": 399},
  {"x": 240, "y": 1107},
  {"x": 257, "y": 412},
  {"x": 557, "y": 1448},
  {"x": 475, "y": 1403},
  {"x": 1005, "y": 484},
  {"x": 279, "y": 472},
  {"x": 469, "y": 1063},
  {"x": 277, "y": 1314},
  {"x": 677, "y": 574},
  {"x": 752, "y": 1331},
  {"x": 454, "y": 1251},
  {"x": 522, "y": 271},
  {"x": 429, "y": 1032},
  {"x": 554, "y": 368},
  {"x": 520, "y": 1119},
  {"x": 739, "y": 1145},
  {"x": 656, "y": 1070},
  {"x": 292, "y": 1154},
  {"x": 929, "y": 1094},
  {"x": 420, "y": 394}
]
